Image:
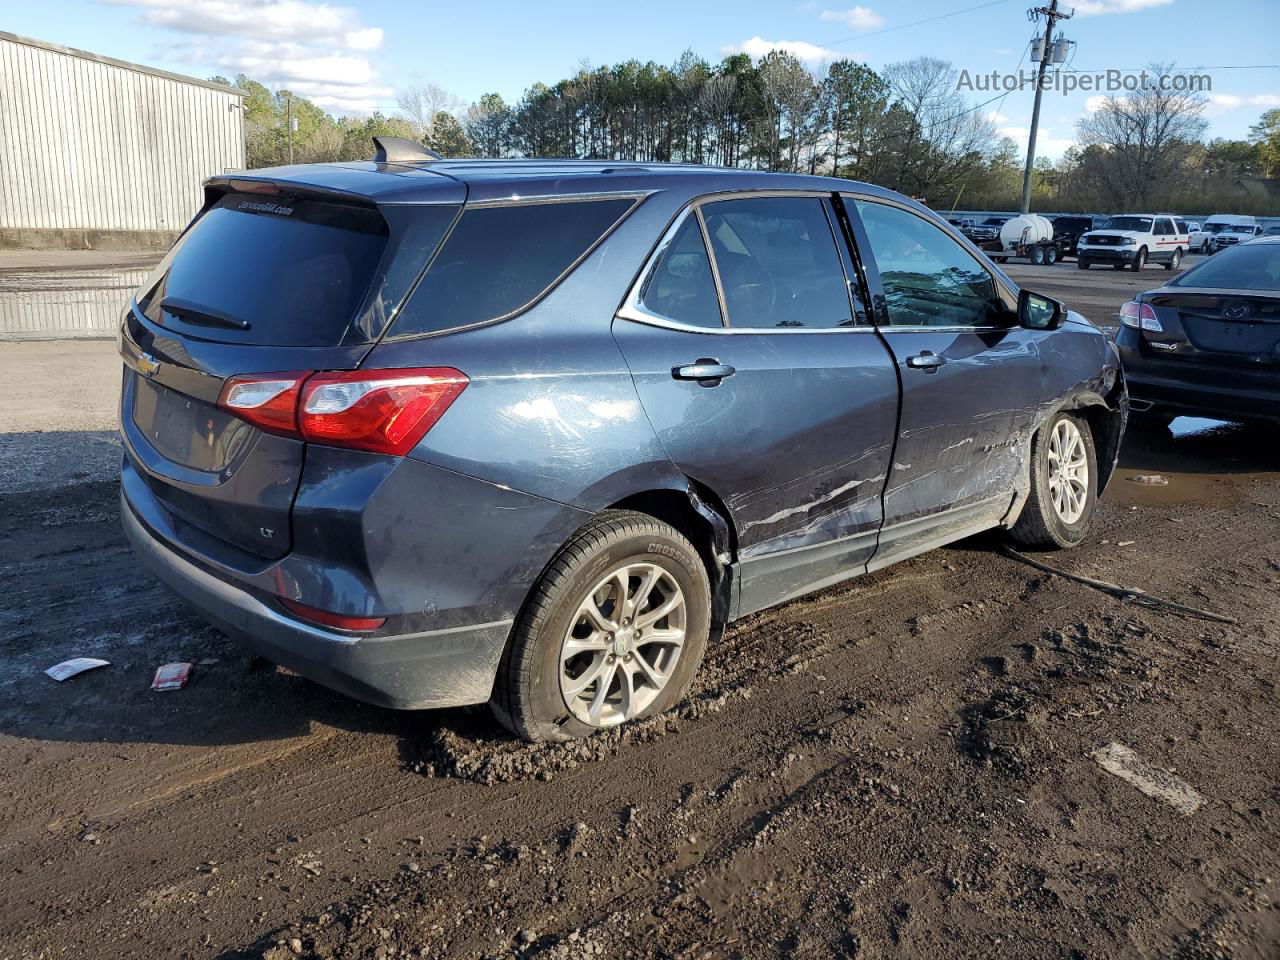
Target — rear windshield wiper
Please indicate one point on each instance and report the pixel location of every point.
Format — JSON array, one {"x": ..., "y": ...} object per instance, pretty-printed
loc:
[{"x": 195, "y": 313}]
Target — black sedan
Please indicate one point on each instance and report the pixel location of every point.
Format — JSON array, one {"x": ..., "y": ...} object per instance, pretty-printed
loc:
[{"x": 1208, "y": 341}]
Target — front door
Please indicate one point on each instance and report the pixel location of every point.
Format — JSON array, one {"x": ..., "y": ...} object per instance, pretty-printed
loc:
[
  {"x": 970, "y": 380},
  {"x": 766, "y": 384}
]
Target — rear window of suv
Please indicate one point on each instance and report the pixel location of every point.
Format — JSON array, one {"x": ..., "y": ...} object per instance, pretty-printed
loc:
[
  {"x": 498, "y": 260},
  {"x": 268, "y": 269}
]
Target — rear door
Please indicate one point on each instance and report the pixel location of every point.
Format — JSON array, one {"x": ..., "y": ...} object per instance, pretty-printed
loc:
[
  {"x": 766, "y": 383},
  {"x": 262, "y": 282},
  {"x": 970, "y": 379}
]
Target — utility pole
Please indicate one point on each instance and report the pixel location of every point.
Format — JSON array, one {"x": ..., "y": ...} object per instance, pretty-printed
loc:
[
  {"x": 1051, "y": 16},
  {"x": 288, "y": 99}
]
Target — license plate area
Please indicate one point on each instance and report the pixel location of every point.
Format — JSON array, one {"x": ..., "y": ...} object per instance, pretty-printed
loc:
[
  {"x": 1223, "y": 336},
  {"x": 183, "y": 429}
]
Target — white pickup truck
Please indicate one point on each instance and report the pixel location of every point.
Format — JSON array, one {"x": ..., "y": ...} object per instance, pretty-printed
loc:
[{"x": 1133, "y": 240}]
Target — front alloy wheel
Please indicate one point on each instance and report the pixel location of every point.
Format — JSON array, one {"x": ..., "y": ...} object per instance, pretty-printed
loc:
[
  {"x": 623, "y": 645},
  {"x": 1063, "y": 485},
  {"x": 1068, "y": 471}
]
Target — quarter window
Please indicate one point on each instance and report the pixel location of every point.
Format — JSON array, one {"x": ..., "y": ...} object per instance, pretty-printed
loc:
[
  {"x": 777, "y": 262},
  {"x": 928, "y": 278},
  {"x": 498, "y": 260},
  {"x": 680, "y": 286}
]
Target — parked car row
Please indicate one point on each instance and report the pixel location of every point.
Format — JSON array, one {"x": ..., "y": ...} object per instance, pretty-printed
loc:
[{"x": 1157, "y": 238}]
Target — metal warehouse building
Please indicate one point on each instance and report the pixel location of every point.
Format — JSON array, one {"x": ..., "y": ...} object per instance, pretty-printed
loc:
[{"x": 96, "y": 152}]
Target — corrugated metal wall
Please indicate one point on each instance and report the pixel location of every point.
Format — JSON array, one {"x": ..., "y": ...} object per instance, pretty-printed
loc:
[
  {"x": 68, "y": 302},
  {"x": 91, "y": 144}
]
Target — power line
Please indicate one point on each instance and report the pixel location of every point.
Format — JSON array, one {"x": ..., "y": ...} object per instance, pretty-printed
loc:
[{"x": 913, "y": 23}]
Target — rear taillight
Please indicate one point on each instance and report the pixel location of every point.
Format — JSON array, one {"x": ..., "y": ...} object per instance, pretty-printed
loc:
[
  {"x": 382, "y": 411},
  {"x": 270, "y": 403},
  {"x": 1140, "y": 316},
  {"x": 326, "y": 619}
]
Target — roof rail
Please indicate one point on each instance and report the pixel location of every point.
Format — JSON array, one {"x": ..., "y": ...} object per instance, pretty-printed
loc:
[{"x": 400, "y": 150}]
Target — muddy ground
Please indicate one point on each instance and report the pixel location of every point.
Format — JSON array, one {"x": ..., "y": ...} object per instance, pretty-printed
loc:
[{"x": 901, "y": 766}]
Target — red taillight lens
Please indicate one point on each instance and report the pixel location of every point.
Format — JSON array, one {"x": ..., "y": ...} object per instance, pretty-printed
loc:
[
  {"x": 269, "y": 402},
  {"x": 327, "y": 619},
  {"x": 1140, "y": 316},
  {"x": 383, "y": 411}
]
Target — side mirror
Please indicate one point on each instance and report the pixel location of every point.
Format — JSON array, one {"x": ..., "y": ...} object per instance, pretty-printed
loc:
[{"x": 1038, "y": 312}]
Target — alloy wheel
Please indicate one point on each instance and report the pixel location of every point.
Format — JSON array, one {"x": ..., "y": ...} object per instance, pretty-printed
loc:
[
  {"x": 623, "y": 644},
  {"x": 1068, "y": 471}
]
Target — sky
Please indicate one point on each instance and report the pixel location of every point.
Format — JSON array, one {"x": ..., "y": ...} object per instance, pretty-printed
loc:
[{"x": 352, "y": 58}]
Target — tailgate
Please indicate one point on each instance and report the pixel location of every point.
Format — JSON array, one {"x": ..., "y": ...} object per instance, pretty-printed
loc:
[{"x": 218, "y": 474}]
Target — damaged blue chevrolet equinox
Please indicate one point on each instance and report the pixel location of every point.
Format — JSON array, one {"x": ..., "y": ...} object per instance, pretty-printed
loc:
[{"x": 532, "y": 432}]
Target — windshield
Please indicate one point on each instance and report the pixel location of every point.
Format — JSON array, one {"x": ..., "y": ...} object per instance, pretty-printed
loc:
[
  {"x": 1240, "y": 228},
  {"x": 1213, "y": 228},
  {"x": 1251, "y": 266},
  {"x": 1136, "y": 224}
]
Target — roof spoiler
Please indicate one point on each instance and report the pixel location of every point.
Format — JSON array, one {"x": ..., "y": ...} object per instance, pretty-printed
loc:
[{"x": 400, "y": 150}]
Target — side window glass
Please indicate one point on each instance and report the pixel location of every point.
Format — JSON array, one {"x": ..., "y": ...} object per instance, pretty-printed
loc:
[
  {"x": 680, "y": 286},
  {"x": 928, "y": 278},
  {"x": 1181, "y": 226},
  {"x": 1163, "y": 227},
  {"x": 777, "y": 263}
]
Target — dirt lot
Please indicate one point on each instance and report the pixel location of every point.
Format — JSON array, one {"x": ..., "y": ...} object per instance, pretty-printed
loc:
[{"x": 902, "y": 766}]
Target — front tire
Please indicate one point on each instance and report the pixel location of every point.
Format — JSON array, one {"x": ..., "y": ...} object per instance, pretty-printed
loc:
[
  {"x": 613, "y": 631},
  {"x": 1037, "y": 256},
  {"x": 1083, "y": 264},
  {"x": 1064, "y": 486},
  {"x": 1051, "y": 256},
  {"x": 1139, "y": 259}
]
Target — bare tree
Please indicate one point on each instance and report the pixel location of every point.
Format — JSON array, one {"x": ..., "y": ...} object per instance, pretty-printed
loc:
[
  {"x": 421, "y": 104},
  {"x": 1144, "y": 137}
]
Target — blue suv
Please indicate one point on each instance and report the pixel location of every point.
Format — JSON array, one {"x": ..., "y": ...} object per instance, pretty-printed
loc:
[{"x": 532, "y": 432}]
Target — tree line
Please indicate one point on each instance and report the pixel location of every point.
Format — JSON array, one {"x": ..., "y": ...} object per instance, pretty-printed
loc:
[{"x": 906, "y": 127}]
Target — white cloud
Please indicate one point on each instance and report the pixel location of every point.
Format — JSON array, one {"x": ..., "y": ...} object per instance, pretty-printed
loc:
[
  {"x": 1097, "y": 8},
  {"x": 859, "y": 18},
  {"x": 1221, "y": 103},
  {"x": 1095, "y": 103},
  {"x": 996, "y": 117},
  {"x": 318, "y": 50},
  {"x": 757, "y": 47},
  {"x": 279, "y": 20},
  {"x": 1047, "y": 145}
]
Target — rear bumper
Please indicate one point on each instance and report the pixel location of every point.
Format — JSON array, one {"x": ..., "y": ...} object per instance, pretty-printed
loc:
[{"x": 438, "y": 668}]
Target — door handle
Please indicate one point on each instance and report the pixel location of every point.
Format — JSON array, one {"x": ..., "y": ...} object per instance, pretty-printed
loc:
[
  {"x": 707, "y": 370},
  {"x": 927, "y": 360}
]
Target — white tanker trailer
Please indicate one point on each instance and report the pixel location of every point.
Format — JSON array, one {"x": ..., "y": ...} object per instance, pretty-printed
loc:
[{"x": 1029, "y": 236}]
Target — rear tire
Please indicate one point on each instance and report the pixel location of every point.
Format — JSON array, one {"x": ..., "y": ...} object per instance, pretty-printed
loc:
[
  {"x": 1051, "y": 256},
  {"x": 1064, "y": 486},
  {"x": 585, "y": 656},
  {"x": 1174, "y": 261},
  {"x": 1037, "y": 256}
]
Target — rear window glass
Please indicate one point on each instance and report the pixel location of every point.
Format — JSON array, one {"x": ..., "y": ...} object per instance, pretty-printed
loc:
[
  {"x": 1254, "y": 266},
  {"x": 498, "y": 260},
  {"x": 270, "y": 270}
]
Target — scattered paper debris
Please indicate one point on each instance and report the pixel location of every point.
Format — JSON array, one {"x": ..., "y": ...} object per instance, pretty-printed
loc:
[
  {"x": 171, "y": 676},
  {"x": 1151, "y": 480},
  {"x": 69, "y": 668},
  {"x": 1156, "y": 783},
  {"x": 1126, "y": 543}
]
